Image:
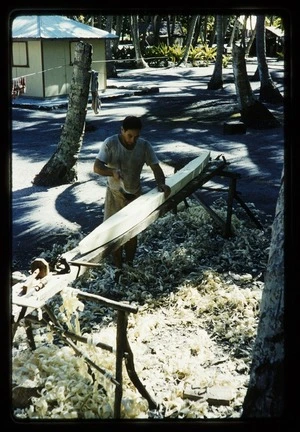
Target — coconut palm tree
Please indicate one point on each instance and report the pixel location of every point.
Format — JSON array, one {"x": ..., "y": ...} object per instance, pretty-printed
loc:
[
  {"x": 268, "y": 90},
  {"x": 189, "y": 40},
  {"x": 140, "y": 62},
  {"x": 253, "y": 112},
  {"x": 216, "y": 81},
  {"x": 265, "y": 393},
  {"x": 61, "y": 167}
]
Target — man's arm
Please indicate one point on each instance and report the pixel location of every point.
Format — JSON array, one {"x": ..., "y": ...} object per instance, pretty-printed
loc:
[
  {"x": 103, "y": 170},
  {"x": 160, "y": 179}
]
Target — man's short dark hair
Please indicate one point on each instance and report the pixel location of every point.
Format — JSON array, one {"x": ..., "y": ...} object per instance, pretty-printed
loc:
[{"x": 132, "y": 122}]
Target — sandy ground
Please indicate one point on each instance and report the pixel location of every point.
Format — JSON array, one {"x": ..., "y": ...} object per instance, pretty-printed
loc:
[{"x": 180, "y": 120}]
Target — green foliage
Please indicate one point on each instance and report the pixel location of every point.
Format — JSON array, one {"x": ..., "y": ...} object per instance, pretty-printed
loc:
[
  {"x": 226, "y": 59},
  {"x": 157, "y": 55},
  {"x": 194, "y": 55},
  {"x": 280, "y": 55},
  {"x": 164, "y": 52},
  {"x": 175, "y": 53},
  {"x": 275, "y": 21},
  {"x": 202, "y": 54},
  {"x": 160, "y": 50}
]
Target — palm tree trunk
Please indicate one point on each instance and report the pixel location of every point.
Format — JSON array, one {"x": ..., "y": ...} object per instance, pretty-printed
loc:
[
  {"x": 140, "y": 62},
  {"x": 111, "y": 70},
  {"x": 216, "y": 81},
  {"x": 265, "y": 394},
  {"x": 61, "y": 168},
  {"x": 190, "y": 35},
  {"x": 233, "y": 33},
  {"x": 253, "y": 113},
  {"x": 268, "y": 90}
]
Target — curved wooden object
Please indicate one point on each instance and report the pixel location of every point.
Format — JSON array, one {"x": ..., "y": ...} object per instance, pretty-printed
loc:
[{"x": 139, "y": 209}]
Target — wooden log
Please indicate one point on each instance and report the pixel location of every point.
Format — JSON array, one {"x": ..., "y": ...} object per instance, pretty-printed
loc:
[
  {"x": 140, "y": 208},
  {"x": 124, "y": 307},
  {"x": 234, "y": 127},
  {"x": 220, "y": 395}
]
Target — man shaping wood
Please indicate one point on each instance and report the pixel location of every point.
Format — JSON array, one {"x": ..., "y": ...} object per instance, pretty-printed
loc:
[{"x": 121, "y": 159}]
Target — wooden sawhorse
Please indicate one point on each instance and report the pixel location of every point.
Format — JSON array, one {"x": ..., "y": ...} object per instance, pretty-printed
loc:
[
  {"x": 25, "y": 305},
  {"x": 217, "y": 167}
]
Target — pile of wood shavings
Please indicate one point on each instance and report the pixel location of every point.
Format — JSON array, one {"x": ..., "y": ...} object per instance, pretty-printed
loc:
[{"x": 198, "y": 296}]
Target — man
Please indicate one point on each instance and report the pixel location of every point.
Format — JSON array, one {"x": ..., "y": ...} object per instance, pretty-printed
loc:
[{"x": 121, "y": 158}]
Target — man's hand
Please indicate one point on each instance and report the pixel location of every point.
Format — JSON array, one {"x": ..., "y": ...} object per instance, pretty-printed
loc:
[
  {"x": 117, "y": 174},
  {"x": 164, "y": 188}
]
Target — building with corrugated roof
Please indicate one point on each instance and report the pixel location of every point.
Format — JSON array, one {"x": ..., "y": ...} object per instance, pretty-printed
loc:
[{"x": 43, "y": 52}]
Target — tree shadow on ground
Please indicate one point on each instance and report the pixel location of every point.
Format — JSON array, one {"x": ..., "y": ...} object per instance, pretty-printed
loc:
[
  {"x": 87, "y": 214},
  {"x": 39, "y": 221},
  {"x": 179, "y": 125}
]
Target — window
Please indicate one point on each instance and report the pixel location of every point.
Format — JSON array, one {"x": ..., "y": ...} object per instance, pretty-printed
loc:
[{"x": 20, "y": 54}]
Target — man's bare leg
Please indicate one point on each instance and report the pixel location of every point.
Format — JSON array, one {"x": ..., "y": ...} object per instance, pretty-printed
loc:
[
  {"x": 117, "y": 257},
  {"x": 130, "y": 249}
]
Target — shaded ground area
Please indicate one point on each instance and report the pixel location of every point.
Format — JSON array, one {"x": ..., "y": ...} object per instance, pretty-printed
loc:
[{"x": 181, "y": 118}]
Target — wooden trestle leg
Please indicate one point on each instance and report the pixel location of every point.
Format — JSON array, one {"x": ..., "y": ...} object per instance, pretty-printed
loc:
[
  {"x": 121, "y": 343},
  {"x": 124, "y": 351},
  {"x": 231, "y": 195}
]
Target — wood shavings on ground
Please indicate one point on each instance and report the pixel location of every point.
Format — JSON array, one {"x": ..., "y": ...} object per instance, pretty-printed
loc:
[{"x": 198, "y": 296}]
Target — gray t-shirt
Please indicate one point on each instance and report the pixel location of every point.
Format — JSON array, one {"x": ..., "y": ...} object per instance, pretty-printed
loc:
[{"x": 130, "y": 162}]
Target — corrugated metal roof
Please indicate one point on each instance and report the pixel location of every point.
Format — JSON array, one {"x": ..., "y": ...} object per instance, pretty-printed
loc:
[
  {"x": 55, "y": 27},
  {"x": 277, "y": 31},
  {"x": 251, "y": 23}
]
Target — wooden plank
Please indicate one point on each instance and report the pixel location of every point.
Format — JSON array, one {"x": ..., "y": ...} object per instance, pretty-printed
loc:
[
  {"x": 213, "y": 214},
  {"x": 140, "y": 208},
  {"x": 37, "y": 299},
  {"x": 86, "y": 260}
]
